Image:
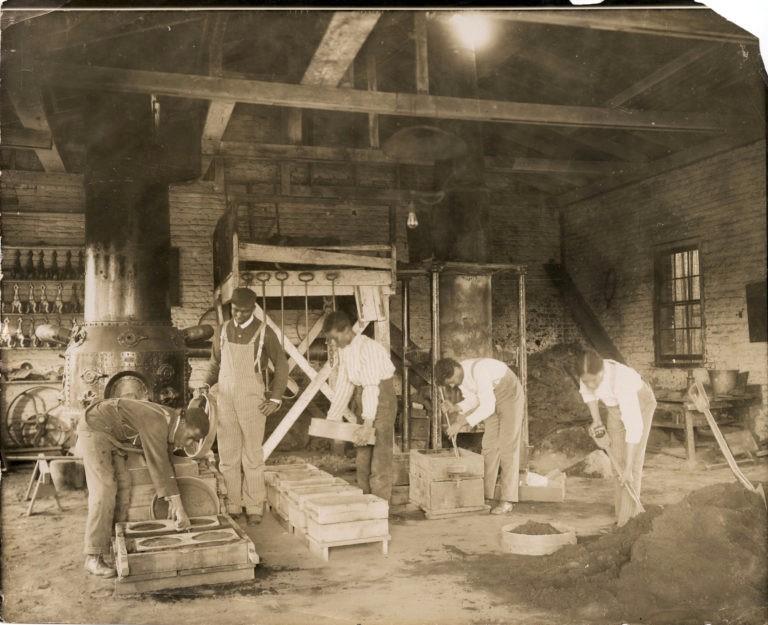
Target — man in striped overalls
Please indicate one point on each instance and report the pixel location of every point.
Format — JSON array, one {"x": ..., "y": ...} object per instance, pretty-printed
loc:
[{"x": 242, "y": 350}]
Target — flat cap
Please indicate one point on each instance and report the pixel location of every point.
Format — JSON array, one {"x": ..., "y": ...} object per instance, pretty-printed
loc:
[{"x": 243, "y": 298}]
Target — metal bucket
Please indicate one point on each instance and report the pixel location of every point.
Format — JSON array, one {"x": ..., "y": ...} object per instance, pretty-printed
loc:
[{"x": 723, "y": 380}]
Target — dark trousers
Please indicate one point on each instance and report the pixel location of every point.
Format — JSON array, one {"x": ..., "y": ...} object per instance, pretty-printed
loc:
[{"x": 375, "y": 463}]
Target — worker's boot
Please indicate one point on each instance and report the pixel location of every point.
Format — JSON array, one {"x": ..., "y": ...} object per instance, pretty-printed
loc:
[
  {"x": 95, "y": 565},
  {"x": 504, "y": 507}
]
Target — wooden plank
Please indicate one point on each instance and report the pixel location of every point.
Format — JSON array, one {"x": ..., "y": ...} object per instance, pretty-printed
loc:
[
  {"x": 341, "y": 42},
  {"x": 307, "y": 256},
  {"x": 219, "y": 112},
  {"x": 372, "y": 83},
  {"x": 342, "y": 532},
  {"x": 692, "y": 24},
  {"x": 358, "y": 101},
  {"x": 322, "y": 550},
  {"x": 422, "y": 62},
  {"x": 334, "y": 508},
  {"x": 665, "y": 72},
  {"x": 303, "y": 401},
  {"x": 337, "y": 430},
  {"x": 26, "y": 138},
  {"x": 547, "y": 165},
  {"x": 223, "y": 576}
]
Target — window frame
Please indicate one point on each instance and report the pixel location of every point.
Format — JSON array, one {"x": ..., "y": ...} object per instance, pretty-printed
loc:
[{"x": 662, "y": 255}]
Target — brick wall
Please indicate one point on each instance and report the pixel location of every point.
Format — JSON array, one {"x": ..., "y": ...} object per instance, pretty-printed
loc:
[{"x": 719, "y": 203}]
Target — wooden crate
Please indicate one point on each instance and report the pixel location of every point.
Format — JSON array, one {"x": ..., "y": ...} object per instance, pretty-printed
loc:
[
  {"x": 297, "y": 496},
  {"x": 144, "y": 568},
  {"x": 337, "y": 430},
  {"x": 437, "y": 493},
  {"x": 272, "y": 478},
  {"x": 280, "y": 508},
  {"x": 335, "y": 509}
]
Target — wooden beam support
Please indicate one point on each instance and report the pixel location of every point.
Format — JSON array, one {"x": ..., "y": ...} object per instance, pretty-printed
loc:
[
  {"x": 345, "y": 35},
  {"x": 308, "y": 256},
  {"x": 383, "y": 103},
  {"x": 335, "y": 55},
  {"x": 26, "y": 138},
  {"x": 546, "y": 165},
  {"x": 422, "y": 62},
  {"x": 700, "y": 151},
  {"x": 700, "y": 24},
  {"x": 219, "y": 111},
  {"x": 665, "y": 72},
  {"x": 373, "y": 85}
]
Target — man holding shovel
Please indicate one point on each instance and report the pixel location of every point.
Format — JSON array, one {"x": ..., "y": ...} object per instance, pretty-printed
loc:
[
  {"x": 631, "y": 404},
  {"x": 492, "y": 393}
]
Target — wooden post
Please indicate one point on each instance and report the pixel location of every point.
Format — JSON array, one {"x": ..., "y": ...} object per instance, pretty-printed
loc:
[
  {"x": 373, "y": 85},
  {"x": 406, "y": 377},
  {"x": 422, "y": 65},
  {"x": 436, "y": 427},
  {"x": 522, "y": 361}
]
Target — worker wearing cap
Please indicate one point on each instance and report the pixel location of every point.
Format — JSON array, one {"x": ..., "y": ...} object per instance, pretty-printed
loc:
[
  {"x": 113, "y": 425},
  {"x": 242, "y": 349},
  {"x": 493, "y": 394},
  {"x": 365, "y": 364}
]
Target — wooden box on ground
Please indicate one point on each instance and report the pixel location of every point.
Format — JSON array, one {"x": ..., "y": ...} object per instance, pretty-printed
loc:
[
  {"x": 298, "y": 495},
  {"x": 337, "y": 430},
  {"x": 553, "y": 492},
  {"x": 283, "y": 485},
  {"x": 337, "y": 520},
  {"x": 274, "y": 473},
  {"x": 443, "y": 485},
  {"x": 149, "y": 559}
]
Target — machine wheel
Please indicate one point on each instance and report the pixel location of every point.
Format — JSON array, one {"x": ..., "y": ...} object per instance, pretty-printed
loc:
[{"x": 29, "y": 420}]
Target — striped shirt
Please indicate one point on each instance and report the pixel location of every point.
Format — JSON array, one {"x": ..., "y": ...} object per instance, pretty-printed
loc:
[
  {"x": 481, "y": 375},
  {"x": 363, "y": 362},
  {"x": 619, "y": 387}
]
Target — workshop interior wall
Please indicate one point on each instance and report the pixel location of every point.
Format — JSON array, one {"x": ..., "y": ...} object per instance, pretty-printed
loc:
[{"x": 719, "y": 203}]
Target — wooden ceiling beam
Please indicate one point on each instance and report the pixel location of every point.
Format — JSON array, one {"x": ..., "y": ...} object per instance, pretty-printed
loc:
[
  {"x": 679, "y": 159},
  {"x": 343, "y": 38},
  {"x": 548, "y": 166},
  {"x": 359, "y": 101},
  {"x": 675, "y": 23},
  {"x": 26, "y": 138}
]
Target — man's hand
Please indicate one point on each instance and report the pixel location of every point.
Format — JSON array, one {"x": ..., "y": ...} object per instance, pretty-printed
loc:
[
  {"x": 363, "y": 433},
  {"x": 448, "y": 407},
  {"x": 597, "y": 430},
  {"x": 268, "y": 407},
  {"x": 205, "y": 388},
  {"x": 456, "y": 426},
  {"x": 178, "y": 514}
]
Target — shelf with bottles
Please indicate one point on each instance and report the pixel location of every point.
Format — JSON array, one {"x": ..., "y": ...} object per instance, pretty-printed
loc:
[
  {"x": 43, "y": 263},
  {"x": 30, "y": 299}
]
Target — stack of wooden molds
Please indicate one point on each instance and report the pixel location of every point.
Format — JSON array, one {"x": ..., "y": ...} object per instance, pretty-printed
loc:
[
  {"x": 152, "y": 555},
  {"x": 443, "y": 485},
  {"x": 325, "y": 511}
]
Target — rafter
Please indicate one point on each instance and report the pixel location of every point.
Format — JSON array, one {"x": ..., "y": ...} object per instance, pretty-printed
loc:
[
  {"x": 345, "y": 35},
  {"x": 383, "y": 103},
  {"x": 700, "y": 24}
]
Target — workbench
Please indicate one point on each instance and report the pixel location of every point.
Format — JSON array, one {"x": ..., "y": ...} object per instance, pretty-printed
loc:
[{"x": 727, "y": 410}]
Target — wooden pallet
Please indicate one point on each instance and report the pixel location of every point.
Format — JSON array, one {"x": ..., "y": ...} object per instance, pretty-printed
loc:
[
  {"x": 322, "y": 549},
  {"x": 446, "y": 514}
]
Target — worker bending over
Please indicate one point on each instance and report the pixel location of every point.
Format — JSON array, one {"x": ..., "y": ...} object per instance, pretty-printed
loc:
[
  {"x": 631, "y": 404},
  {"x": 365, "y": 363},
  {"x": 111, "y": 425},
  {"x": 493, "y": 394},
  {"x": 242, "y": 349}
]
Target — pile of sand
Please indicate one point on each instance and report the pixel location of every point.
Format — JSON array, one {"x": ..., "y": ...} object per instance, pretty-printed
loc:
[
  {"x": 553, "y": 394},
  {"x": 701, "y": 558},
  {"x": 533, "y": 528}
]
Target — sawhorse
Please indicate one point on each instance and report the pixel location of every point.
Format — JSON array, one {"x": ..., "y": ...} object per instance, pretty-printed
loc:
[{"x": 41, "y": 484}]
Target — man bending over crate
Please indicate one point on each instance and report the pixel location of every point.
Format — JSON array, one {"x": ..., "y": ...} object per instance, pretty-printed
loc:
[
  {"x": 365, "y": 363},
  {"x": 492, "y": 393},
  {"x": 111, "y": 425}
]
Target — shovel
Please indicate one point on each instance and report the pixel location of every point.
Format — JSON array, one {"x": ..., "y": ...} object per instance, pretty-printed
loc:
[
  {"x": 603, "y": 445},
  {"x": 448, "y": 421},
  {"x": 698, "y": 396}
]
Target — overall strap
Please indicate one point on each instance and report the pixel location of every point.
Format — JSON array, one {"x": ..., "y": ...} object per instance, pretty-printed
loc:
[
  {"x": 223, "y": 334},
  {"x": 261, "y": 334}
]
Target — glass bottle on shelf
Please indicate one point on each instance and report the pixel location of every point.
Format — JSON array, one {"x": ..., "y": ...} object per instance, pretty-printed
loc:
[
  {"x": 17, "y": 272},
  {"x": 53, "y": 270},
  {"x": 68, "y": 273},
  {"x": 29, "y": 268},
  {"x": 40, "y": 273}
]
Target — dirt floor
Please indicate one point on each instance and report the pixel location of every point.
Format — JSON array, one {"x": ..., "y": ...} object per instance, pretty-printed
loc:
[{"x": 442, "y": 571}]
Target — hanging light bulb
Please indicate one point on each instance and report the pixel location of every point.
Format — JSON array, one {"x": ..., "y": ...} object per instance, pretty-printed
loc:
[{"x": 413, "y": 221}]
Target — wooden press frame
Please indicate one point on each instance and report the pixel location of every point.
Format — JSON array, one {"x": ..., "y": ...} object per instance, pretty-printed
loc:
[
  {"x": 433, "y": 270},
  {"x": 354, "y": 266}
]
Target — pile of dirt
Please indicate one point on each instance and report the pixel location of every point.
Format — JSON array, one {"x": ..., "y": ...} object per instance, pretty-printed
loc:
[
  {"x": 553, "y": 392},
  {"x": 532, "y": 528},
  {"x": 703, "y": 556}
]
